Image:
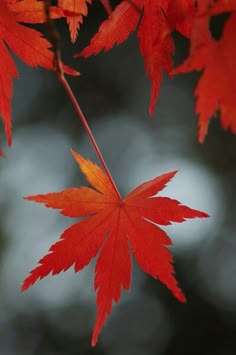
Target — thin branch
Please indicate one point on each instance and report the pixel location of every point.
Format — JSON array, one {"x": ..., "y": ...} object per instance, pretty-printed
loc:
[
  {"x": 80, "y": 114},
  {"x": 54, "y": 37}
]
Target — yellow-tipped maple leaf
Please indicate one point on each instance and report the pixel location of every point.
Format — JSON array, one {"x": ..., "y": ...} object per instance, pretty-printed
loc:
[{"x": 112, "y": 228}]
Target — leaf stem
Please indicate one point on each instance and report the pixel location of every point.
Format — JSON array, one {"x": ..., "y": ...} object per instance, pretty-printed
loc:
[
  {"x": 80, "y": 114},
  {"x": 54, "y": 36}
]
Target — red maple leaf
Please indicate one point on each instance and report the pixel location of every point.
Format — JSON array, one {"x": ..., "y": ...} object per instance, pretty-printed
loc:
[
  {"x": 155, "y": 42},
  {"x": 27, "y": 43},
  {"x": 217, "y": 85},
  {"x": 113, "y": 227},
  {"x": 75, "y": 11}
]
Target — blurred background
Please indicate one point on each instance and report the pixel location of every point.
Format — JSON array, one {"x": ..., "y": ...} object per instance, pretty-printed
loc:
[{"x": 56, "y": 316}]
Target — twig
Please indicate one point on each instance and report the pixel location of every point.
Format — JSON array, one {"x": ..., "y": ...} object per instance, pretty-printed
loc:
[{"x": 54, "y": 37}]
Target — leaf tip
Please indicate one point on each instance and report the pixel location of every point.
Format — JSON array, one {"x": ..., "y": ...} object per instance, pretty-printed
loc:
[
  {"x": 93, "y": 342},
  {"x": 172, "y": 174},
  {"x": 181, "y": 297},
  {"x": 204, "y": 215},
  {"x": 25, "y": 285},
  {"x": 201, "y": 138},
  {"x": 70, "y": 71},
  {"x": 77, "y": 156},
  {"x": 152, "y": 107},
  {"x": 29, "y": 198},
  {"x": 73, "y": 152}
]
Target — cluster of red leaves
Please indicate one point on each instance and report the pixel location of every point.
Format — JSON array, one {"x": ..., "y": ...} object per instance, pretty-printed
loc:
[
  {"x": 28, "y": 44},
  {"x": 155, "y": 21}
]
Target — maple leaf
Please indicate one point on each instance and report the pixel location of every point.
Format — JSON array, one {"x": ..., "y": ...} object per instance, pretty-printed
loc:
[
  {"x": 74, "y": 10},
  {"x": 113, "y": 227},
  {"x": 156, "y": 46},
  {"x": 28, "y": 44},
  {"x": 155, "y": 43},
  {"x": 116, "y": 29},
  {"x": 216, "y": 87}
]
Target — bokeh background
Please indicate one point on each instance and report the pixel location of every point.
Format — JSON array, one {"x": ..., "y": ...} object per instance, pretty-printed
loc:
[{"x": 56, "y": 316}]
